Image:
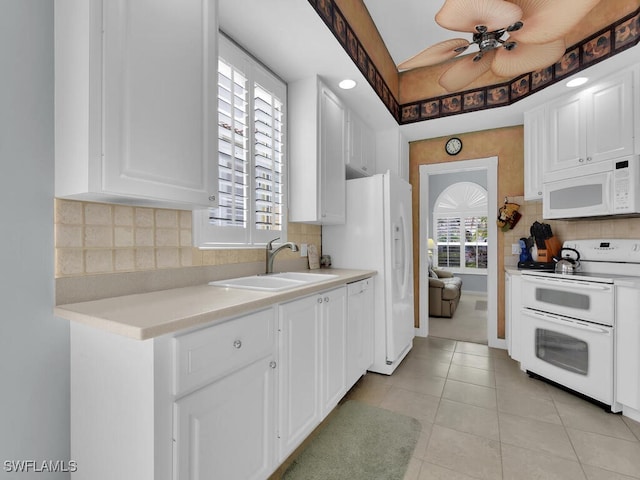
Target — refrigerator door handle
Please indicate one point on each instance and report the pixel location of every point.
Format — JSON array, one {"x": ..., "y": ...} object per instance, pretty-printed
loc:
[
  {"x": 397, "y": 247},
  {"x": 400, "y": 255}
]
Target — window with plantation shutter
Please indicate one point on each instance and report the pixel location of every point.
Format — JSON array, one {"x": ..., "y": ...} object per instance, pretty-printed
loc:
[
  {"x": 233, "y": 157},
  {"x": 461, "y": 228},
  {"x": 251, "y": 155}
]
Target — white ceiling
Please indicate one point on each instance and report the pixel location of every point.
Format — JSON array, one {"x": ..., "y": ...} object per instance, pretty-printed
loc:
[
  {"x": 407, "y": 26},
  {"x": 290, "y": 38}
]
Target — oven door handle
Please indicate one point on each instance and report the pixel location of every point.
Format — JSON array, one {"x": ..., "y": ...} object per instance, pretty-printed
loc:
[
  {"x": 585, "y": 285},
  {"x": 565, "y": 321}
]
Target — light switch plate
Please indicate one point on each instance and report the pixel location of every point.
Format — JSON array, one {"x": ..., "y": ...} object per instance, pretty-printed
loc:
[
  {"x": 303, "y": 249},
  {"x": 515, "y": 249}
]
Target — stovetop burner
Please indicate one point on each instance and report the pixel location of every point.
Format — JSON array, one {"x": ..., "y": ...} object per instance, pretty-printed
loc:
[
  {"x": 584, "y": 276},
  {"x": 531, "y": 265},
  {"x": 601, "y": 260}
]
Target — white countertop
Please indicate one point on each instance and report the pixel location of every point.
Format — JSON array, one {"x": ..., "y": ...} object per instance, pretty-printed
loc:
[
  {"x": 148, "y": 315},
  {"x": 513, "y": 270}
]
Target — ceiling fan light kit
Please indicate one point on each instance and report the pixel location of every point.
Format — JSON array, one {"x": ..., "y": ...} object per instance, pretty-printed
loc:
[{"x": 535, "y": 28}]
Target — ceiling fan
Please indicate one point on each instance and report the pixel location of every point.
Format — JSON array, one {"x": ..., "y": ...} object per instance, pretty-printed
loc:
[{"x": 535, "y": 28}]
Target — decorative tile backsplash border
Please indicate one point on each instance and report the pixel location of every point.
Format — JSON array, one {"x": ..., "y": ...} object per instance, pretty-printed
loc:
[{"x": 98, "y": 238}]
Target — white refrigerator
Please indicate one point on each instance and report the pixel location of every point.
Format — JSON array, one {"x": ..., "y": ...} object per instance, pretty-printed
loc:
[{"x": 377, "y": 236}]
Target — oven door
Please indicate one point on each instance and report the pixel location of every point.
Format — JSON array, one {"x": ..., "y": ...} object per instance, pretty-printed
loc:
[
  {"x": 575, "y": 354},
  {"x": 590, "y": 301}
]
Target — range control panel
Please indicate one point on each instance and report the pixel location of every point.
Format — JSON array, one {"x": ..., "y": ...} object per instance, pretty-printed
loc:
[{"x": 607, "y": 250}]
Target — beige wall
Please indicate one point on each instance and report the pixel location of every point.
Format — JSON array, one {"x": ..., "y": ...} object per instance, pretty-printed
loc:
[
  {"x": 505, "y": 143},
  {"x": 97, "y": 238}
]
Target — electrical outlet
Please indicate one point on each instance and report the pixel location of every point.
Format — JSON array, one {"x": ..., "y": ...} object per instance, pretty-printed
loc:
[
  {"x": 515, "y": 249},
  {"x": 303, "y": 249}
]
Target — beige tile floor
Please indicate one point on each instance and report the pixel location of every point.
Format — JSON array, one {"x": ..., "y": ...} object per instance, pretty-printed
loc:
[{"x": 483, "y": 418}]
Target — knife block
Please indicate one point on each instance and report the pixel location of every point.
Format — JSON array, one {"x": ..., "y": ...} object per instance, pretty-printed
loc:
[{"x": 544, "y": 255}]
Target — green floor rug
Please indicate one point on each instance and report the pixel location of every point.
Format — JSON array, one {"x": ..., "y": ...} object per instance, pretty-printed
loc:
[{"x": 360, "y": 442}]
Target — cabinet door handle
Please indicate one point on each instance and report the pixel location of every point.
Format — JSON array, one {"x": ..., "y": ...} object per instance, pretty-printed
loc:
[
  {"x": 581, "y": 160},
  {"x": 212, "y": 198},
  {"x": 273, "y": 364},
  {"x": 589, "y": 159},
  {"x": 326, "y": 299},
  {"x": 319, "y": 300},
  {"x": 237, "y": 344}
]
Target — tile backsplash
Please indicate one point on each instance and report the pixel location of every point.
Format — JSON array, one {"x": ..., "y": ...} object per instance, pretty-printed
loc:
[
  {"x": 531, "y": 211},
  {"x": 99, "y": 238}
]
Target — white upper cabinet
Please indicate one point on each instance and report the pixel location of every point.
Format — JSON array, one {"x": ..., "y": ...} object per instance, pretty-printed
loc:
[
  {"x": 136, "y": 101},
  {"x": 593, "y": 125},
  {"x": 361, "y": 146},
  {"x": 317, "y": 139},
  {"x": 392, "y": 153},
  {"x": 535, "y": 144}
]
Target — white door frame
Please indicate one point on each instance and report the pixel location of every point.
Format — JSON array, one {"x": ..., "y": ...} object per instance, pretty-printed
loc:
[{"x": 490, "y": 165}]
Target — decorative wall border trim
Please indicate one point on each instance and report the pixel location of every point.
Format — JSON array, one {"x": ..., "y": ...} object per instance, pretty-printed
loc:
[
  {"x": 337, "y": 23},
  {"x": 617, "y": 37}
]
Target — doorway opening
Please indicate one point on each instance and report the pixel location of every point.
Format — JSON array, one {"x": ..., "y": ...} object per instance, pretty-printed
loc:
[
  {"x": 482, "y": 243},
  {"x": 457, "y": 258}
]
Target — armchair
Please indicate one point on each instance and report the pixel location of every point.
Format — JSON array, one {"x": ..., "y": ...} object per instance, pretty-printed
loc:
[{"x": 444, "y": 293}]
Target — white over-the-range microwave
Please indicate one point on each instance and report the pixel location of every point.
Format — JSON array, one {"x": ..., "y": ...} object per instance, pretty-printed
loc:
[{"x": 609, "y": 187}]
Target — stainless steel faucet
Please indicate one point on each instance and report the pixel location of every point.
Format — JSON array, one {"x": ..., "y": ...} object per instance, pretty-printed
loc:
[{"x": 271, "y": 253}]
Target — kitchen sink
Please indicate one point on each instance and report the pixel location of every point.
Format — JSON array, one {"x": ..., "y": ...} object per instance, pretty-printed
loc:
[
  {"x": 304, "y": 277},
  {"x": 274, "y": 281}
]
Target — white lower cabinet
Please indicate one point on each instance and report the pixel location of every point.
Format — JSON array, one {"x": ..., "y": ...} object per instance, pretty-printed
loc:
[
  {"x": 312, "y": 364},
  {"x": 359, "y": 329},
  {"x": 333, "y": 338},
  {"x": 231, "y": 400},
  {"x": 299, "y": 380},
  {"x": 513, "y": 305},
  {"x": 226, "y": 428},
  {"x": 627, "y": 382}
]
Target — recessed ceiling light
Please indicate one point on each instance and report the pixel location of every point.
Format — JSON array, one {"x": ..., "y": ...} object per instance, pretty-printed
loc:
[
  {"x": 576, "y": 82},
  {"x": 347, "y": 84}
]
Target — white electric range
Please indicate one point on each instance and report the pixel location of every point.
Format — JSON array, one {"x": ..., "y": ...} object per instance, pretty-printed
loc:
[{"x": 569, "y": 320}]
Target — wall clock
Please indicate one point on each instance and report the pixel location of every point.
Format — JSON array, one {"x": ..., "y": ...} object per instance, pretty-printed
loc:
[{"x": 453, "y": 146}]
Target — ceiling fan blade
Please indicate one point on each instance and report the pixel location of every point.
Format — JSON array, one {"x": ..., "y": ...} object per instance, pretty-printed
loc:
[
  {"x": 527, "y": 57},
  {"x": 465, "y": 15},
  {"x": 465, "y": 71},
  {"x": 435, "y": 54},
  {"x": 548, "y": 20}
]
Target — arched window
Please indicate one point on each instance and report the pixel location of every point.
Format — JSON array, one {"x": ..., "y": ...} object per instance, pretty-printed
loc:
[{"x": 460, "y": 227}]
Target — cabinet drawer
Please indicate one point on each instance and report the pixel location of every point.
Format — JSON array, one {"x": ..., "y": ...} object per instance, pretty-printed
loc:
[{"x": 204, "y": 355}]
